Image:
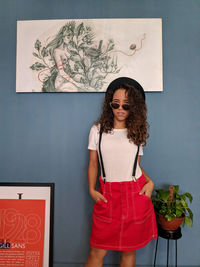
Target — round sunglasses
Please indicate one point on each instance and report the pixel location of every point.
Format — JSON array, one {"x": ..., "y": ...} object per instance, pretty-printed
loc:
[{"x": 115, "y": 105}]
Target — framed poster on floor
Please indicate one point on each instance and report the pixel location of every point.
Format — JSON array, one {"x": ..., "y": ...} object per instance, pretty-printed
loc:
[{"x": 26, "y": 224}]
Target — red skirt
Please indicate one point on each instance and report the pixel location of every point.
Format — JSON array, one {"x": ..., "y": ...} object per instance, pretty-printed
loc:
[{"x": 127, "y": 221}]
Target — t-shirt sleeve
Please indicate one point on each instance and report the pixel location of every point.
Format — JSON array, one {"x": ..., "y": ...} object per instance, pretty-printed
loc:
[
  {"x": 140, "y": 150},
  {"x": 93, "y": 138}
]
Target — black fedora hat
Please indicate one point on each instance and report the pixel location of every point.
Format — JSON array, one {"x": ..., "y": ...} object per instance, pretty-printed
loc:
[{"x": 123, "y": 82}]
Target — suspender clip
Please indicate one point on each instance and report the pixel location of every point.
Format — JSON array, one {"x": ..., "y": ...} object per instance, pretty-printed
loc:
[
  {"x": 104, "y": 180},
  {"x": 134, "y": 179}
]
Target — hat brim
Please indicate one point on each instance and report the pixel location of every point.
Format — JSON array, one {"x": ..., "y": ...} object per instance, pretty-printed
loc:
[{"x": 122, "y": 81}]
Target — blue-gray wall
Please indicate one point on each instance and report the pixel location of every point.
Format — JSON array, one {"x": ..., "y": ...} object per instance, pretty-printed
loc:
[{"x": 43, "y": 137}]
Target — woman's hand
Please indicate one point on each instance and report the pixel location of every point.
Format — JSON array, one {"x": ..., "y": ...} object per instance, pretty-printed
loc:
[
  {"x": 147, "y": 189},
  {"x": 96, "y": 196}
]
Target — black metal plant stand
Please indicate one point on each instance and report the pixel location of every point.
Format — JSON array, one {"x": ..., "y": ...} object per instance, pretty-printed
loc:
[{"x": 167, "y": 234}]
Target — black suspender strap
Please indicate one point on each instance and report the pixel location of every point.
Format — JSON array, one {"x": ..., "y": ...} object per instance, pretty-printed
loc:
[
  {"x": 100, "y": 156},
  {"x": 135, "y": 164},
  {"x": 101, "y": 160}
]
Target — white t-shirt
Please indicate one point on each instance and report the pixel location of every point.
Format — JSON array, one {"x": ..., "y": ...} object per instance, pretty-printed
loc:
[{"x": 118, "y": 154}]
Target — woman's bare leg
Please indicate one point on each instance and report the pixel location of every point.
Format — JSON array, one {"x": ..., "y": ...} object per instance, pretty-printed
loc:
[
  {"x": 128, "y": 258},
  {"x": 96, "y": 257}
]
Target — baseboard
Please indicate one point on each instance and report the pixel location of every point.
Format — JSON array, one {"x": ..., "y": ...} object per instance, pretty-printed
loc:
[{"x": 64, "y": 264}]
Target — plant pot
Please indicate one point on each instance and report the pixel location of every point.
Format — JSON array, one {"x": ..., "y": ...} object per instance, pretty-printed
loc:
[{"x": 169, "y": 225}]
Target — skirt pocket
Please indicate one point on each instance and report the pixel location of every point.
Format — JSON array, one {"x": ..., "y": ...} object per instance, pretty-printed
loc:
[
  {"x": 142, "y": 207},
  {"x": 103, "y": 210}
]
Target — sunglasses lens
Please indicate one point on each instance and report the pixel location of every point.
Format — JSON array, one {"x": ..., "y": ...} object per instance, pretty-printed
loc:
[
  {"x": 114, "y": 105},
  {"x": 126, "y": 106}
]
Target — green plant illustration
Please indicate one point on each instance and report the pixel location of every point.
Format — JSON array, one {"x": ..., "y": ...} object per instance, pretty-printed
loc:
[{"x": 75, "y": 59}]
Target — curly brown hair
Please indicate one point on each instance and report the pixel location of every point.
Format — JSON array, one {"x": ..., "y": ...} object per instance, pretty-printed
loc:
[{"x": 136, "y": 123}]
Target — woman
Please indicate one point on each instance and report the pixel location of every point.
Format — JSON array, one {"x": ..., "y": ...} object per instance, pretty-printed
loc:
[{"x": 123, "y": 215}]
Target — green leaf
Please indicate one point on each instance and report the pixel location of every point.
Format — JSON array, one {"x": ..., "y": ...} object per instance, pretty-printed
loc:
[
  {"x": 38, "y": 44},
  {"x": 111, "y": 47},
  {"x": 75, "y": 58},
  {"x": 190, "y": 213},
  {"x": 163, "y": 210},
  {"x": 183, "y": 222},
  {"x": 79, "y": 29},
  {"x": 36, "y": 55},
  {"x": 82, "y": 46},
  {"x": 82, "y": 80},
  {"x": 88, "y": 29},
  {"x": 184, "y": 203},
  {"x": 73, "y": 52},
  {"x": 179, "y": 212},
  {"x": 72, "y": 44},
  {"x": 71, "y": 27},
  {"x": 97, "y": 65},
  {"x": 44, "y": 52},
  {"x": 176, "y": 189},
  {"x": 170, "y": 217},
  {"x": 188, "y": 221},
  {"x": 76, "y": 67},
  {"x": 163, "y": 194},
  {"x": 189, "y": 196},
  {"x": 37, "y": 66}
]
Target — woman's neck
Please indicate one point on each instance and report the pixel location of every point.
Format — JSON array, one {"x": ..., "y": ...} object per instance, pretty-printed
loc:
[{"x": 119, "y": 125}]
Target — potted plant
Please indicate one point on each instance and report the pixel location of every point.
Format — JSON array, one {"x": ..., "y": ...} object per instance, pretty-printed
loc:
[{"x": 172, "y": 208}]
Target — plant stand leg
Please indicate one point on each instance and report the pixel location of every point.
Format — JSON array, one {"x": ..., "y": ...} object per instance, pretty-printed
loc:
[
  {"x": 155, "y": 253},
  {"x": 176, "y": 252},
  {"x": 167, "y": 251}
]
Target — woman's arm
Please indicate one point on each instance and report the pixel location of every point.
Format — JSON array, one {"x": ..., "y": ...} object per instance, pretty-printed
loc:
[
  {"x": 92, "y": 176},
  {"x": 58, "y": 56},
  {"x": 149, "y": 186}
]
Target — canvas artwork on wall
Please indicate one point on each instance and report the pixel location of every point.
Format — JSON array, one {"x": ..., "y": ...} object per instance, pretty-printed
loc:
[{"x": 85, "y": 55}]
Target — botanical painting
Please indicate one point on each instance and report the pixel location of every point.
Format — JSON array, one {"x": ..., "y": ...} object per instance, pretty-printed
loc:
[{"x": 86, "y": 55}]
